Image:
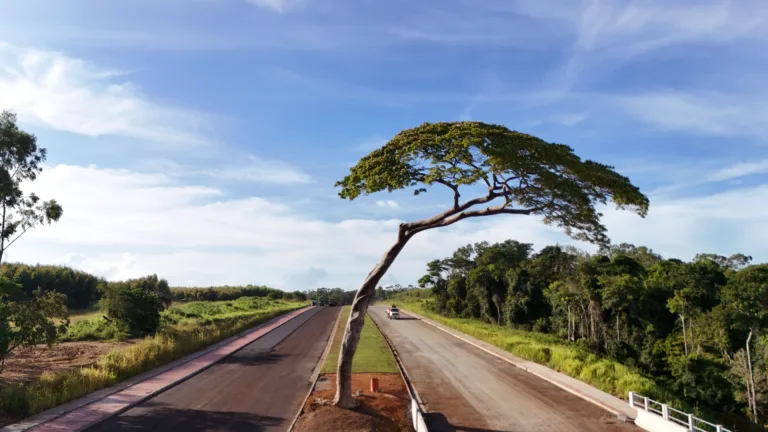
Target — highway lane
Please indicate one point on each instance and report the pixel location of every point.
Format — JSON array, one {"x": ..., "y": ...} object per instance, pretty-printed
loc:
[
  {"x": 258, "y": 388},
  {"x": 466, "y": 389}
]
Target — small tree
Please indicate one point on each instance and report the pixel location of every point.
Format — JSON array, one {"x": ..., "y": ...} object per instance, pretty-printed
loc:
[
  {"x": 28, "y": 321},
  {"x": 136, "y": 304},
  {"x": 525, "y": 174},
  {"x": 20, "y": 160}
]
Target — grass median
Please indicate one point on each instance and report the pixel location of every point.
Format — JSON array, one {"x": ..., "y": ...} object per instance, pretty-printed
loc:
[
  {"x": 188, "y": 329},
  {"x": 373, "y": 354}
]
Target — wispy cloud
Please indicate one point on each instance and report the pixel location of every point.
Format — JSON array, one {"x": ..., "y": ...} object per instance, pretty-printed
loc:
[
  {"x": 387, "y": 204},
  {"x": 277, "y": 5},
  {"x": 740, "y": 170},
  {"x": 66, "y": 93},
  {"x": 706, "y": 112},
  {"x": 259, "y": 170}
]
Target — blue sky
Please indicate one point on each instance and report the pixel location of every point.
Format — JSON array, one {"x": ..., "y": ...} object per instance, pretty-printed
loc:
[{"x": 200, "y": 139}]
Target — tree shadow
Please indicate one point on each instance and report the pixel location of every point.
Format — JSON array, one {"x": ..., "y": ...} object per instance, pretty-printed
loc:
[
  {"x": 253, "y": 359},
  {"x": 159, "y": 417},
  {"x": 437, "y": 422},
  {"x": 405, "y": 318}
]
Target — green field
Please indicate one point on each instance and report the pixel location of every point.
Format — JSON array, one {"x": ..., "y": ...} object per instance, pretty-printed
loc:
[
  {"x": 90, "y": 325},
  {"x": 373, "y": 354}
]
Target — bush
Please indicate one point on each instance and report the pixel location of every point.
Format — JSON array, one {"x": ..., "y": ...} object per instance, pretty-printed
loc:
[{"x": 132, "y": 309}]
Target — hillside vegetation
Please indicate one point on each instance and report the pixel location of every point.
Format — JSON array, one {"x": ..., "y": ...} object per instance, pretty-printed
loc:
[{"x": 623, "y": 319}]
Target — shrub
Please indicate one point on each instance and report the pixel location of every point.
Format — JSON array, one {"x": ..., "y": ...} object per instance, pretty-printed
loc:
[{"x": 132, "y": 309}]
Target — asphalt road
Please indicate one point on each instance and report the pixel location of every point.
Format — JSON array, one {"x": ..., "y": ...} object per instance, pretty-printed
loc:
[
  {"x": 466, "y": 389},
  {"x": 258, "y": 388}
]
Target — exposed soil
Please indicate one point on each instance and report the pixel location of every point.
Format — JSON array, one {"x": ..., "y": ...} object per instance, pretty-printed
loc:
[
  {"x": 26, "y": 364},
  {"x": 386, "y": 410}
]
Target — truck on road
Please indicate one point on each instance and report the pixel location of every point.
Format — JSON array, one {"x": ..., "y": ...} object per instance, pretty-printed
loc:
[{"x": 393, "y": 312}]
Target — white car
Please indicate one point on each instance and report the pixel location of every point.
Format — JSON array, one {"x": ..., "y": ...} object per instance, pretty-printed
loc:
[{"x": 393, "y": 313}]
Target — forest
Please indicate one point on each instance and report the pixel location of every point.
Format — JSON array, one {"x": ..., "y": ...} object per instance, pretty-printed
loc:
[{"x": 698, "y": 326}]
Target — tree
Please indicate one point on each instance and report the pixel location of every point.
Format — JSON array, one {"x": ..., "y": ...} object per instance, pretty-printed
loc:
[
  {"x": 27, "y": 321},
  {"x": 747, "y": 295},
  {"x": 20, "y": 160},
  {"x": 528, "y": 175},
  {"x": 135, "y": 304}
]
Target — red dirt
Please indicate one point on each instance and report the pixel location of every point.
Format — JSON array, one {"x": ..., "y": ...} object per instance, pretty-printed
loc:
[
  {"x": 386, "y": 410},
  {"x": 26, "y": 364}
]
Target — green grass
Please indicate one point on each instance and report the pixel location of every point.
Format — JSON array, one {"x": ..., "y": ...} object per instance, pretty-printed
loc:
[
  {"x": 195, "y": 329},
  {"x": 605, "y": 374},
  {"x": 90, "y": 325},
  {"x": 373, "y": 354}
]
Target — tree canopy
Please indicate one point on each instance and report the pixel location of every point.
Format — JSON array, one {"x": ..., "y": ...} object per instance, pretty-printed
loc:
[
  {"x": 20, "y": 161},
  {"x": 530, "y": 175}
]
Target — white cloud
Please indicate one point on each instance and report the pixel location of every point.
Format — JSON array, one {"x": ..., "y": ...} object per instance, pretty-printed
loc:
[
  {"x": 66, "y": 93},
  {"x": 279, "y": 6},
  {"x": 740, "y": 170},
  {"x": 710, "y": 113},
  {"x": 261, "y": 171},
  {"x": 120, "y": 224},
  {"x": 387, "y": 203}
]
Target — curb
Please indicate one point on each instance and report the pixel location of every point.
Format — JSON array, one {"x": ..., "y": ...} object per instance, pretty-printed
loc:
[
  {"x": 545, "y": 378},
  {"x": 315, "y": 377},
  {"x": 401, "y": 367},
  {"x": 160, "y": 370},
  {"x": 404, "y": 375},
  {"x": 316, "y": 373}
]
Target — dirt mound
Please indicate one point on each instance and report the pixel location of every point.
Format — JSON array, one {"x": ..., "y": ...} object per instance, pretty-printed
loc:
[
  {"x": 332, "y": 419},
  {"x": 386, "y": 410}
]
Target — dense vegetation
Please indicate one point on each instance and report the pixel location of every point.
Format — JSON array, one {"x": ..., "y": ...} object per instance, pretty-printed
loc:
[
  {"x": 232, "y": 293},
  {"x": 698, "y": 328},
  {"x": 82, "y": 289},
  {"x": 328, "y": 296}
]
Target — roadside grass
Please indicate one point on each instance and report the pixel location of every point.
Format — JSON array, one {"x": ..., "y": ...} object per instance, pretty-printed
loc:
[
  {"x": 91, "y": 326},
  {"x": 605, "y": 374},
  {"x": 197, "y": 327},
  {"x": 373, "y": 354}
]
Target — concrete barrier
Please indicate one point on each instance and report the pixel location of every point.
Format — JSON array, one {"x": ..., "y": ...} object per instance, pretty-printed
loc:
[
  {"x": 417, "y": 415},
  {"x": 654, "y": 423}
]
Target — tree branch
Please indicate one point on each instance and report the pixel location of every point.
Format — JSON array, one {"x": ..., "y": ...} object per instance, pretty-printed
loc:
[
  {"x": 456, "y": 194},
  {"x": 473, "y": 202},
  {"x": 488, "y": 211}
]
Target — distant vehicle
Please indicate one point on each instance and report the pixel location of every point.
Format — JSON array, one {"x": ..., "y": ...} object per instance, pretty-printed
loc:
[{"x": 393, "y": 312}]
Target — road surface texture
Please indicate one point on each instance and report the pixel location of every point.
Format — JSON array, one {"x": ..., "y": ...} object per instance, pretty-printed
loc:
[
  {"x": 466, "y": 389},
  {"x": 259, "y": 388}
]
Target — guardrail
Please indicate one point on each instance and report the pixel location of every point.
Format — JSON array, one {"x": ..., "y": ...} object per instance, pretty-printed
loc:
[{"x": 670, "y": 414}]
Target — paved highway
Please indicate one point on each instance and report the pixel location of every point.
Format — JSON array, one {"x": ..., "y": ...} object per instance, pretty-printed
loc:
[
  {"x": 466, "y": 389},
  {"x": 258, "y": 388}
]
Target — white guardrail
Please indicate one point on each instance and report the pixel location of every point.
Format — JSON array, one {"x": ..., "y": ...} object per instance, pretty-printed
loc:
[{"x": 685, "y": 420}]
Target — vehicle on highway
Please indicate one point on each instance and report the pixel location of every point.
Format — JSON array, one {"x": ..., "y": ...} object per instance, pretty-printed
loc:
[{"x": 393, "y": 312}]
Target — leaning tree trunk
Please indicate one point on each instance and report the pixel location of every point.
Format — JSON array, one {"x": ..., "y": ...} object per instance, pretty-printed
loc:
[
  {"x": 685, "y": 339},
  {"x": 751, "y": 394},
  {"x": 363, "y": 297}
]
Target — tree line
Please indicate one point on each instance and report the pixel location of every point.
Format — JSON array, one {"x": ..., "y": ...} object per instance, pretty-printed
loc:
[{"x": 697, "y": 326}]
